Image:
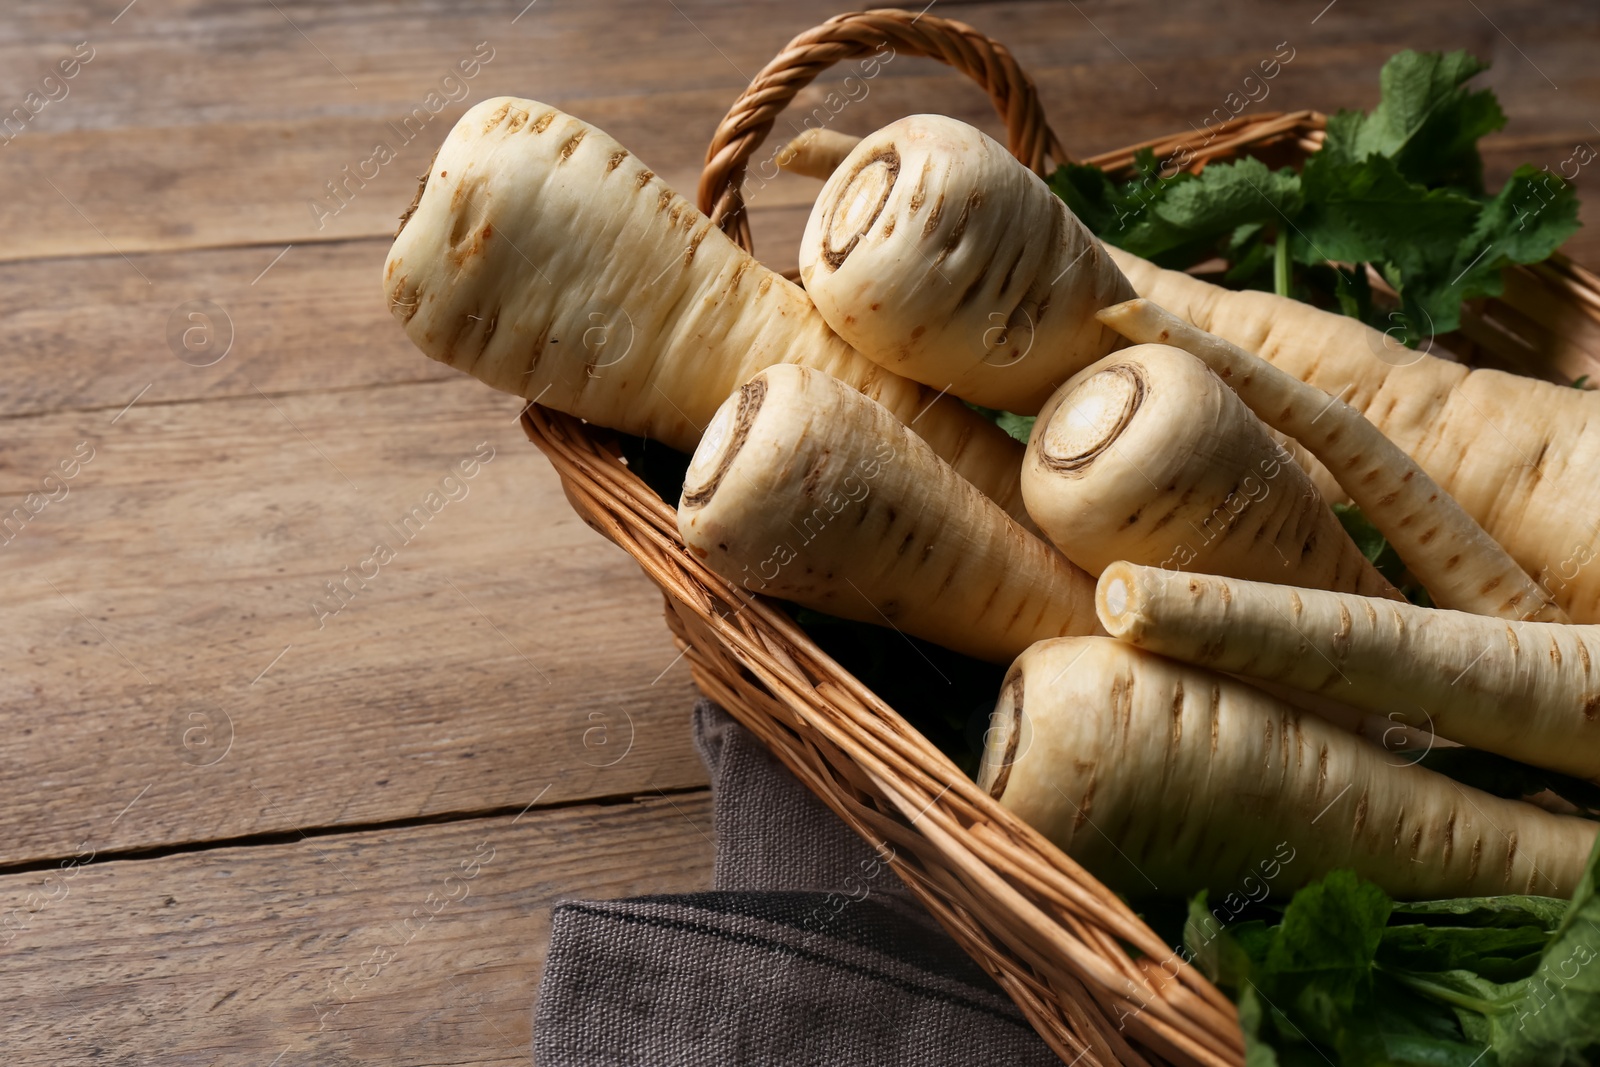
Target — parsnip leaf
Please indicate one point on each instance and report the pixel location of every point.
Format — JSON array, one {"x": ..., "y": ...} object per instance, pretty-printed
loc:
[
  {"x": 1370, "y": 540},
  {"x": 1554, "y": 1020},
  {"x": 1427, "y": 121},
  {"x": 1498, "y": 953},
  {"x": 1326, "y": 943},
  {"x": 1366, "y": 211},
  {"x": 1019, "y": 427},
  {"x": 1183, "y": 214},
  {"x": 1400, "y": 189},
  {"x": 1543, "y": 912},
  {"x": 1348, "y": 977}
]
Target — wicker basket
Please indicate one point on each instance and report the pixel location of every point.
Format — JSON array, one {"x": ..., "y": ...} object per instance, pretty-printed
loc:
[{"x": 1096, "y": 983}]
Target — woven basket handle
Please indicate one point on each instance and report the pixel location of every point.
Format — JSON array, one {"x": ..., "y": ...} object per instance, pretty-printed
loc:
[{"x": 849, "y": 36}]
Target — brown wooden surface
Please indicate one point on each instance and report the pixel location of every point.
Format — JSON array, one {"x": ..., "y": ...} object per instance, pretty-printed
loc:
[
  {"x": 419, "y": 945},
  {"x": 507, "y": 656}
]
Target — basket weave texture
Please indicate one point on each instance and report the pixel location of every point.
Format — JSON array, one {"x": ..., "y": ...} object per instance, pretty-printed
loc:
[{"x": 1099, "y": 986}]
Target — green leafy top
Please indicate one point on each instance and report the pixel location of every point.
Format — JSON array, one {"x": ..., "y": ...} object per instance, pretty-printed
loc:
[
  {"x": 1344, "y": 975},
  {"x": 1400, "y": 188},
  {"x": 1427, "y": 122}
]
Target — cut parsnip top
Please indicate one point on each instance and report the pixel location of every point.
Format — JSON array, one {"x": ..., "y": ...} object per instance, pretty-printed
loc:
[
  {"x": 1518, "y": 453},
  {"x": 1461, "y": 566},
  {"x": 805, "y": 489},
  {"x": 937, "y": 254},
  {"x": 1147, "y": 456},
  {"x": 546, "y": 260}
]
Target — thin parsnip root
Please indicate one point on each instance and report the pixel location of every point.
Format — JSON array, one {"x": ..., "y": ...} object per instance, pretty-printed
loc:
[
  {"x": 545, "y": 260},
  {"x": 816, "y": 153},
  {"x": 805, "y": 489},
  {"x": 938, "y": 255},
  {"x": 1161, "y": 777},
  {"x": 1147, "y": 456},
  {"x": 1461, "y": 566},
  {"x": 1527, "y": 690},
  {"x": 1517, "y": 453}
]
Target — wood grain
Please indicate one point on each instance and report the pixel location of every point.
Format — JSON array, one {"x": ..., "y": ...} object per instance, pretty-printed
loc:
[
  {"x": 411, "y": 946},
  {"x": 89, "y": 334},
  {"x": 505, "y": 654},
  {"x": 244, "y": 123}
]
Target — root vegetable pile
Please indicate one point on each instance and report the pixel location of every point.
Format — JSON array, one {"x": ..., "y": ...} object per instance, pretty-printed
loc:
[
  {"x": 548, "y": 261},
  {"x": 1518, "y": 454},
  {"x": 855, "y": 451},
  {"x": 1461, "y": 565}
]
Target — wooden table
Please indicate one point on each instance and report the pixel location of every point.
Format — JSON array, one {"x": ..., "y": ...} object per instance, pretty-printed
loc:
[{"x": 247, "y": 818}]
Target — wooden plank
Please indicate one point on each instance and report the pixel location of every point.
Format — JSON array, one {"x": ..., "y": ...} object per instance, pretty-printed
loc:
[
  {"x": 406, "y": 946},
  {"x": 88, "y": 333},
  {"x": 255, "y": 184},
  {"x": 176, "y": 595},
  {"x": 236, "y": 145},
  {"x": 249, "y": 63}
]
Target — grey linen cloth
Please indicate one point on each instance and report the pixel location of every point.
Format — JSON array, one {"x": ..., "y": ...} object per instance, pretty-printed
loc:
[{"x": 806, "y": 950}]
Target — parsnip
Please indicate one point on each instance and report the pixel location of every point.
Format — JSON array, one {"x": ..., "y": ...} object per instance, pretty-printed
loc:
[
  {"x": 1460, "y": 565},
  {"x": 1515, "y": 452},
  {"x": 816, "y": 153},
  {"x": 1527, "y": 690},
  {"x": 547, "y": 261},
  {"x": 938, "y": 255},
  {"x": 805, "y": 489},
  {"x": 1147, "y": 456},
  {"x": 1160, "y": 777},
  {"x": 1519, "y": 454}
]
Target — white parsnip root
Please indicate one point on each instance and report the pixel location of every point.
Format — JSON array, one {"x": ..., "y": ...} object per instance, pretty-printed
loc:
[
  {"x": 1161, "y": 777},
  {"x": 1517, "y": 453},
  {"x": 1461, "y": 566},
  {"x": 1526, "y": 690},
  {"x": 937, "y": 254},
  {"x": 544, "y": 259},
  {"x": 1147, "y": 456},
  {"x": 805, "y": 489},
  {"x": 816, "y": 153}
]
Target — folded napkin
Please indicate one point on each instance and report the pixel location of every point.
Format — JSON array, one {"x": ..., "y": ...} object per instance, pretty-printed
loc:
[{"x": 806, "y": 950}]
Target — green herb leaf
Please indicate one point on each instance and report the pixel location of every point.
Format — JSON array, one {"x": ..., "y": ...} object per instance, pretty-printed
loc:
[
  {"x": 1366, "y": 210},
  {"x": 1400, "y": 189},
  {"x": 1329, "y": 936},
  {"x": 1018, "y": 426},
  {"x": 1498, "y": 953},
  {"x": 1554, "y": 1021},
  {"x": 1379, "y": 552},
  {"x": 1217, "y": 952},
  {"x": 1366, "y": 536},
  {"x": 1182, "y": 214},
  {"x": 1543, "y": 912},
  {"x": 1426, "y": 121}
]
